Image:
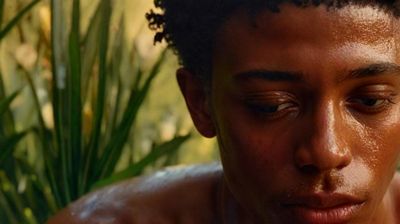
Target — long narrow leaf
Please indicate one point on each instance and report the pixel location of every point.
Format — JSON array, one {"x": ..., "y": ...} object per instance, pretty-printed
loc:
[
  {"x": 16, "y": 19},
  {"x": 75, "y": 104},
  {"x": 35, "y": 194},
  {"x": 101, "y": 93},
  {"x": 113, "y": 150},
  {"x": 91, "y": 47},
  {"x": 6, "y": 208},
  {"x": 137, "y": 168},
  {"x": 7, "y": 125},
  {"x": 2, "y": 89},
  {"x": 5, "y": 104},
  {"x": 8, "y": 145},
  {"x": 115, "y": 73},
  {"x": 60, "y": 182},
  {"x": 1, "y": 12},
  {"x": 42, "y": 125},
  {"x": 12, "y": 196}
]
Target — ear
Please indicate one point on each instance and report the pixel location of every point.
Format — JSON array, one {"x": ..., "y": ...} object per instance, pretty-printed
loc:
[{"x": 197, "y": 102}]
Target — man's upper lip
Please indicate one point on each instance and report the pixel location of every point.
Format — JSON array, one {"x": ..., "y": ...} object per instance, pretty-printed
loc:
[{"x": 322, "y": 200}]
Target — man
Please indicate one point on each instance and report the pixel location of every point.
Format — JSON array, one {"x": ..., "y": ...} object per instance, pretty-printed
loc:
[{"x": 304, "y": 99}]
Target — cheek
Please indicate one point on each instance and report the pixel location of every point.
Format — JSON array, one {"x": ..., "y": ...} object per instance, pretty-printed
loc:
[
  {"x": 376, "y": 147},
  {"x": 253, "y": 153},
  {"x": 380, "y": 142}
]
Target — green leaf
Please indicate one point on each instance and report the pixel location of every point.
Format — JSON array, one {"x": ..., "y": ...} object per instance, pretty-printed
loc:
[
  {"x": 59, "y": 183},
  {"x": 101, "y": 95},
  {"x": 16, "y": 19},
  {"x": 1, "y": 12},
  {"x": 11, "y": 195},
  {"x": 116, "y": 79},
  {"x": 6, "y": 209},
  {"x": 91, "y": 47},
  {"x": 5, "y": 104},
  {"x": 7, "y": 145},
  {"x": 7, "y": 125},
  {"x": 75, "y": 105},
  {"x": 137, "y": 168},
  {"x": 35, "y": 195},
  {"x": 113, "y": 150}
]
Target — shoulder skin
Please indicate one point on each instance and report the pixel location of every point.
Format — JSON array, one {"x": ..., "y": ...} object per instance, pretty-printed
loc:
[
  {"x": 395, "y": 191},
  {"x": 175, "y": 195}
]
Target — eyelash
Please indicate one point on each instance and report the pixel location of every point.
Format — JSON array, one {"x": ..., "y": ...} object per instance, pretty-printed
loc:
[
  {"x": 275, "y": 109},
  {"x": 271, "y": 108},
  {"x": 359, "y": 103}
]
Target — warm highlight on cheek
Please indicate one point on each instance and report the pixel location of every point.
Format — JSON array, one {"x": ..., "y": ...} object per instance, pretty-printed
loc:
[{"x": 376, "y": 149}]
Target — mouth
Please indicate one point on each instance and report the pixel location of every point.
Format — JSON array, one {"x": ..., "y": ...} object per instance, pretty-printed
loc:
[{"x": 321, "y": 208}]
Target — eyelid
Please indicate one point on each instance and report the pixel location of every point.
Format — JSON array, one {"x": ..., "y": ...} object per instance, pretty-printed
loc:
[
  {"x": 271, "y": 105},
  {"x": 372, "y": 88},
  {"x": 380, "y": 90},
  {"x": 271, "y": 95},
  {"x": 269, "y": 99},
  {"x": 374, "y": 93},
  {"x": 357, "y": 102}
]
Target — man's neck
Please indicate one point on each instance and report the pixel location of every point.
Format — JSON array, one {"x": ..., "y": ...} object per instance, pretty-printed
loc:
[{"x": 231, "y": 210}]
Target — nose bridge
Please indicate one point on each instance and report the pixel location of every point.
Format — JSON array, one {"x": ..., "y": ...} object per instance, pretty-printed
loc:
[
  {"x": 324, "y": 137},
  {"x": 325, "y": 146}
]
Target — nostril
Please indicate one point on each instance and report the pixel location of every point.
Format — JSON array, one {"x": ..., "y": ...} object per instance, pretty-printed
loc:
[
  {"x": 309, "y": 169},
  {"x": 343, "y": 165}
]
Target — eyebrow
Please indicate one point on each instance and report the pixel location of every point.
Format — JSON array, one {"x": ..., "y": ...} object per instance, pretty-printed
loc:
[
  {"x": 282, "y": 76},
  {"x": 273, "y": 76},
  {"x": 373, "y": 70}
]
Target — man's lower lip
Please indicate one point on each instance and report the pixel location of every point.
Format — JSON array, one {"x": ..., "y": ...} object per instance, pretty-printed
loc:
[{"x": 335, "y": 215}]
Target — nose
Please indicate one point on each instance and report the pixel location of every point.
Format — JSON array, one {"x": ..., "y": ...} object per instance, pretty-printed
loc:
[{"x": 324, "y": 145}]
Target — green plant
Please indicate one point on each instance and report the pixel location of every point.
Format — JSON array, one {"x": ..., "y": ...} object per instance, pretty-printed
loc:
[{"x": 74, "y": 162}]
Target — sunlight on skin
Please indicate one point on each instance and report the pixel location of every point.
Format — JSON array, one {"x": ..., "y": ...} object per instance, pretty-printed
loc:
[
  {"x": 305, "y": 105},
  {"x": 339, "y": 137}
]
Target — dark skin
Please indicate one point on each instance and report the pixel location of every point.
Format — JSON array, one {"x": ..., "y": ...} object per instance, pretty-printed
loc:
[{"x": 306, "y": 109}]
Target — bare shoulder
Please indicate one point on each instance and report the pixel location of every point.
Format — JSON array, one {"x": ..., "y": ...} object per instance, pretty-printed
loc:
[
  {"x": 174, "y": 195},
  {"x": 395, "y": 189}
]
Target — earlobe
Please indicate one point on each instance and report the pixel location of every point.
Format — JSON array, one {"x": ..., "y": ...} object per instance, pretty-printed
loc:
[{"x": 196, "y": 100}]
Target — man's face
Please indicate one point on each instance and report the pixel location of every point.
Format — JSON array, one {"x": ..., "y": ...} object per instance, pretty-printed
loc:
[{"x": 306, "y": 107}]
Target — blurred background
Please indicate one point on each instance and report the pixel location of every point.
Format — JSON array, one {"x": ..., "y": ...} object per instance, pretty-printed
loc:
[{"x": 86, "y": 100}]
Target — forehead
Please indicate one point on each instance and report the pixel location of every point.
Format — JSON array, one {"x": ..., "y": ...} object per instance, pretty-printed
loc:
[
  {"x": 352, "y": 23},
  {"x": 295, "y": 31}
]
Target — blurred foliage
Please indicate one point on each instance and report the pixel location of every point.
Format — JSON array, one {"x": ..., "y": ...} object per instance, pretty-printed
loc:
[{"x": 85, "y": 100}]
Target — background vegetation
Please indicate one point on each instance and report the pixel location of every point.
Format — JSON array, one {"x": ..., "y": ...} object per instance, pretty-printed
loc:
[{"x": 85, "y": 100}]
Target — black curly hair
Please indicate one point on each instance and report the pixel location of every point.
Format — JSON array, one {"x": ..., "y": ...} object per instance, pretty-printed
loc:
[{"x": 190, "y": 26}]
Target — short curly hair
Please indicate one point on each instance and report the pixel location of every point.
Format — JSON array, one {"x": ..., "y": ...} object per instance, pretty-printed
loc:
[{"x": 190, "y": 26}]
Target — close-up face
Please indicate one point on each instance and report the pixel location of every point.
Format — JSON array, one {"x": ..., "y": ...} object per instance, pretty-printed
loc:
[{"x": 305, "y": 104}]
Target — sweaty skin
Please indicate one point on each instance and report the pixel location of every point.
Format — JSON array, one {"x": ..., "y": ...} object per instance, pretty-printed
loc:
[
  {"x": 305, "y": 105},
  {"x": 177, "y": 195}
]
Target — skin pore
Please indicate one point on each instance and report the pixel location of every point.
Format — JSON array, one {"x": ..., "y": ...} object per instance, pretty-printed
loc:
[{"x": 305, "y": 105}]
